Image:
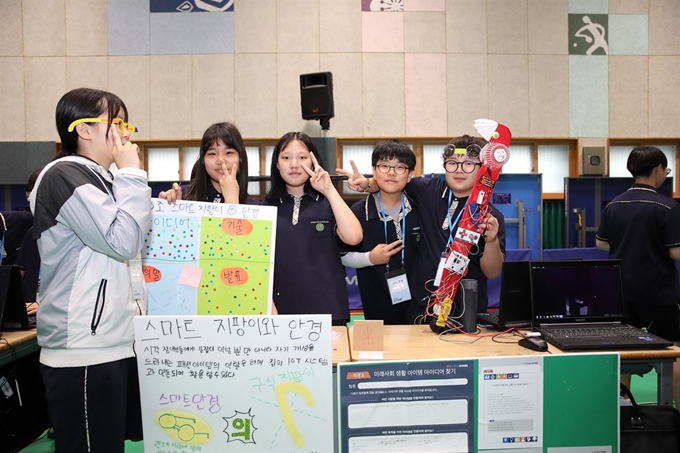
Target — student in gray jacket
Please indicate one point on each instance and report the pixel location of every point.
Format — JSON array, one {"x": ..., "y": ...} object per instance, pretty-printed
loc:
[{"x": 90, "y": 228}]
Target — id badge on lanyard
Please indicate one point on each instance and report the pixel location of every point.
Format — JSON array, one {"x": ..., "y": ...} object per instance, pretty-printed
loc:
[{"x": 397, "y": 283}]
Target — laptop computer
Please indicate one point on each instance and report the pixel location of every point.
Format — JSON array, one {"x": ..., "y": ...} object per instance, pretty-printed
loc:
[
  {"x": 514, "y": 306},
  {"x": 580, "y": 305},
  {"x": 13, "y": 314}
]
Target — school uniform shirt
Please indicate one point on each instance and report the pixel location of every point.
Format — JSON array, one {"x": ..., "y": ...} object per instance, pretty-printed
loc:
[
  {"x": 309, "y": 277},
  {"x": 432, "y": 197},
  {"x": 375, "y": 295},
  {"x": 640, "y": 226}
]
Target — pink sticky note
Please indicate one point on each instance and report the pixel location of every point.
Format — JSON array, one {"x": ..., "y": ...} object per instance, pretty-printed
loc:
[{"x": 190, "y": 276}]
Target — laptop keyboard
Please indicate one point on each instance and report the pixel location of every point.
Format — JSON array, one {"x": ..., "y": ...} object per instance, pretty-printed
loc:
[{"x": 578, "y": 332}]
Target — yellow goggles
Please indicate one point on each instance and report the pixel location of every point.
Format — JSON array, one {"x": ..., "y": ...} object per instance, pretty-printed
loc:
[{"x": 121, "y": 125}]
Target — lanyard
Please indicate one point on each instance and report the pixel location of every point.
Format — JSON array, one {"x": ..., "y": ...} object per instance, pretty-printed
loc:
[
  {"x": 403, "y": 228},
  {"x": 452, "y": 225}
]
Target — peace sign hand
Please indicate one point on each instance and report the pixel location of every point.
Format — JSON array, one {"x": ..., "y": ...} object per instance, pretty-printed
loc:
[
  {"x": 355, "y": 180},
  {"x": 318, "y": 178},
  {"x": 229, "y": 184}
]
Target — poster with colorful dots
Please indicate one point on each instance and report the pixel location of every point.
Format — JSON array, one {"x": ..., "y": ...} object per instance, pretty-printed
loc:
[
  {"x": 236, "y": 384},
  {"x": 209, "y": 258}
]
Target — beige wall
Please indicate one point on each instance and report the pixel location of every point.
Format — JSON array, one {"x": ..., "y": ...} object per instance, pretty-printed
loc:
[{"x": 429, "y": 71}]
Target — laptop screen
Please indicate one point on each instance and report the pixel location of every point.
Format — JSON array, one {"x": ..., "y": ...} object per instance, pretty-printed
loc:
[{"x": 574, "y": 292}]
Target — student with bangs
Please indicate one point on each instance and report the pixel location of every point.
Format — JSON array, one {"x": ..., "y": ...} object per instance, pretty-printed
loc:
[
  {"x": 220, "y": 174},
  {"x": 391, "y": 227},
  {"x": 312, "y": 218},
  {"x": 441, "y": 204},
  {"x": 90, "y": 227}
]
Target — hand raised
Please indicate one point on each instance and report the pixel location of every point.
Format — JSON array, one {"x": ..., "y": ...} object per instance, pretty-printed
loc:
[
  {"x": 173, "y": 194},
  {"x": 318, "y": 178},
  {"x": 355, "y": 180},
  {"x": 124, "y": 155},
  {"x": 228, "y": 183}
]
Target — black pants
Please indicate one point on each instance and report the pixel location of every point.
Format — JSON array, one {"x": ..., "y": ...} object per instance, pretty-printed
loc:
[{"x": 94, "y": 408}]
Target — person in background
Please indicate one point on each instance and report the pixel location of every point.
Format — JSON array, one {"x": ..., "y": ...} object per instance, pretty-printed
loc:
[
  {"x": 312, "y": 218},
  {"x": 440, "y": 205},
  {"x": 391, "y": 229},
  {"x": 90, "y": 228},
  {"x": 641, "y": 228},
  {"x": 221, "y": 171},
  {"x": 13, "y": 227},
  {"x": 29, "y": 260}
]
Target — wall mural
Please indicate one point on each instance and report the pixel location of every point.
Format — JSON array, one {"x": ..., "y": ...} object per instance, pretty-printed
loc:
[{"x": 191, "y": 6}]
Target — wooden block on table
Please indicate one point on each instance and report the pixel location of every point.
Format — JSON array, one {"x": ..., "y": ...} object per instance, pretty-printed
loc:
[{"x": 367, "y": 335}]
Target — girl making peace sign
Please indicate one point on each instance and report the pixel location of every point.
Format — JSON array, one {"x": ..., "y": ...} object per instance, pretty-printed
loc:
[{"x": 312, "y": 218}]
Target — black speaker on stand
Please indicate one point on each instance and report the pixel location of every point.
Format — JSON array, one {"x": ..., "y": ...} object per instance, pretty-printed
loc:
[
  {"x": 316, "y": 97},
  {"x": 469, "y": 319}
]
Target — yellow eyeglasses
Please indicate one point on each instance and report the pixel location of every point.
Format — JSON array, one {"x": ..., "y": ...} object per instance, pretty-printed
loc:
[{"x": 121, "y": 125}]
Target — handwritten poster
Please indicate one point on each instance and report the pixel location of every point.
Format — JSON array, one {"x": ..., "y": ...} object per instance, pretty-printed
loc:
[
  {"x": 236, "y": 383},
  {"x": 209, "y": 258}
]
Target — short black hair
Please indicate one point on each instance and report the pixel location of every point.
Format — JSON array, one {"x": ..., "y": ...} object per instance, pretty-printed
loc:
[
  {"x": 85, "y": 103},
  {"x": 473, "y": 145},
  {"x": 643, "y": 159},
  {"x": 394, "y": 149}
]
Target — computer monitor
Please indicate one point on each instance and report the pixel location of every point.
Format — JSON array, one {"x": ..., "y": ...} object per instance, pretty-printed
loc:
[{"x": 13, "y": 314}]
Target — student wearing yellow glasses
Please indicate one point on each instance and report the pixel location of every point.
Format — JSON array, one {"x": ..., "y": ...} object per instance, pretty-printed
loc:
[{"x": 90, "y": 228}]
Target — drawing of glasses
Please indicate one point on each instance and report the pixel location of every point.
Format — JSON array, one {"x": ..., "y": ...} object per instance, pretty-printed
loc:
[{"x": 185, "y": 432}]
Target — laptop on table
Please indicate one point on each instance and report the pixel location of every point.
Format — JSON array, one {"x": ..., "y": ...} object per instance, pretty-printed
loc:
[
  {"x": 514, "y": 306},
  {"x": 580, "y": 305},
  {"x": 13, "y": 315}
]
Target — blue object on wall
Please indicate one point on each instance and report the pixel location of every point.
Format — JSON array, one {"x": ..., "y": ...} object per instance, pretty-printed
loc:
[
  {"x": 525, "y": 188},
  {"x": 509, "y": 190},
  {"x": 592, "y": 194}
]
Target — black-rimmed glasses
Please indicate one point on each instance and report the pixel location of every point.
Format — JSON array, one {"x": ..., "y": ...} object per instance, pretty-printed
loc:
[
  {"x": 467, "y": 166},
  {"x": 399, "y": 169}
]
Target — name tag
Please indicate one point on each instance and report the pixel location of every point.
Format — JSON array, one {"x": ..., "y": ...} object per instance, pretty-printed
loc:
[{"x": 397, "y": 283}]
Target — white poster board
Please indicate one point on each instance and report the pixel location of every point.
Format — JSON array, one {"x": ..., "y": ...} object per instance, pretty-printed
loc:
[
  {"x": 209, "y": 258},
  {"x": 235, "y": 383}
]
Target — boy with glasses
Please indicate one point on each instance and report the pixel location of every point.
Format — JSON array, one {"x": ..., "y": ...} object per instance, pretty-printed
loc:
[
  {"x": 385, "y": 257},
  {"x": 441, "y": 204}
]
